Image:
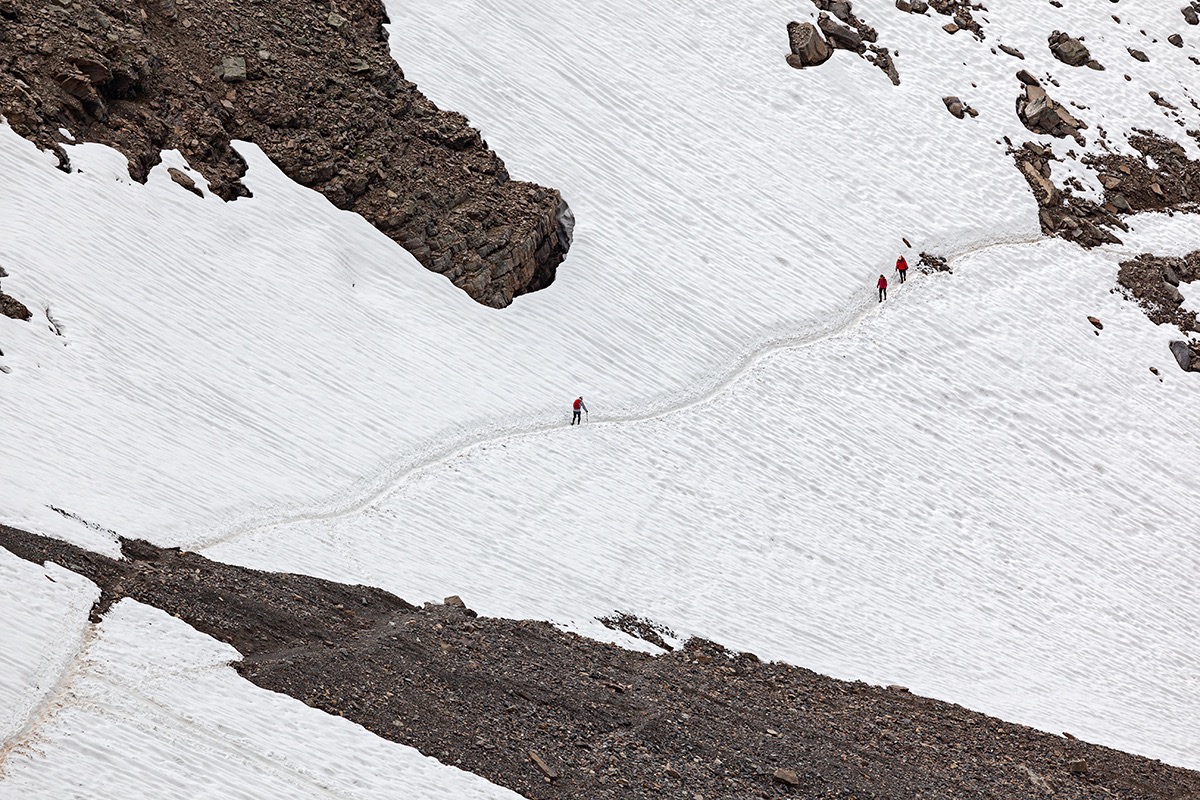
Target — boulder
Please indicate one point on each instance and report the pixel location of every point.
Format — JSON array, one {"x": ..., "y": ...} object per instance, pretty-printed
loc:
[
  {"x": 1138, "y": 54},
  {"x": 808, "y": 47},
  {"x": 1026, "y": 77},
  {"x": 1040, "y": 114},
  {"x": 1173, "y": 294},
  {"x": 1185, "y": 356},
  {"x": 840, "y": 36},
  {"x": 1189, "y": 14},
  {"x": 1175, "y": 39},
  {"x": 13, "y": 308},
  {"x": 787, "y": 776},
  {"x": 919, "y": 6},
  {"x": 232, "y": 69},
  {"x": 1068, "y": 49},
  {"x": 954, "y": 106},
  {"x": 1012, "y": 51},
  {"x": 1097, "y": 324}
]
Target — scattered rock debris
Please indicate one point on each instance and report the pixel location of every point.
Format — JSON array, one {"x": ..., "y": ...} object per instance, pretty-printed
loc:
[
  {"x": 639, "y": 627},
  {"x": 550, "y": 714},
  {"x": 848, "y": 32},
  {"x": 1154, "y": 282},
  {"x": 928, "y": 263},
  {"x": 1061, "y": 211}
]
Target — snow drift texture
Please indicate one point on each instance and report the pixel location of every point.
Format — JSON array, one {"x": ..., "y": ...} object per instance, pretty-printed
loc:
[{"x": 965, "y": 491}]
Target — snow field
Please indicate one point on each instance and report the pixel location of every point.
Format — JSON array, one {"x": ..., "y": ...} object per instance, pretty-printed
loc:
[
  {"x": 968, "y": 492},
  {"x": 965, "y": 491},
  {"x": 157, "y": 712}
]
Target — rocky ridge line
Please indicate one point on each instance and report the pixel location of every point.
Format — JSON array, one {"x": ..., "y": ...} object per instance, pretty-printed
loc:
[{"x": 314, "y": 85}]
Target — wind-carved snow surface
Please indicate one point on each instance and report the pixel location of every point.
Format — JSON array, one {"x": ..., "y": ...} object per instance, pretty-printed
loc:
[
  {"x": 965, "y": 490},
  {"x": 157, "y": 712}
]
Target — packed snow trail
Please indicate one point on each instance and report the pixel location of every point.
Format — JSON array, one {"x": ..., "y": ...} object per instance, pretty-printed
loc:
[
  {"x": 381, "y": 487},
  {"x": 45, "y": 630}
]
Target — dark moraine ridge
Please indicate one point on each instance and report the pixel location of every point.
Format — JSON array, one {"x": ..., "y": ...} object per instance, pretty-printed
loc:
[
  {"x": 550, "y": 714},
  {"x": 313, "y": 85}
]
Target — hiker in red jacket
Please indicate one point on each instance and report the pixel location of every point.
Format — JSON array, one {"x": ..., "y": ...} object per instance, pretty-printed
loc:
[
  {"x": 902, "y": 268},
  {"x": 578, "y": 407},
  {"x": 882, "y": 284}
]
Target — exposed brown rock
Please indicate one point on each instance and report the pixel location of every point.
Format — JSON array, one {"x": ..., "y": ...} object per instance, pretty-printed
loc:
[
  {"x": 497, "y": 697},
  {"x": 1041, "y": 114},
  {"x": 184, "y": 180},
  {"x": 315, "y": 88},
  {"x": 1187, "y": 355},
  {"x": 1153, "y": 281},
  {"x": 1068, "y": 49},
  {"x": 961, "y": 12},
  {"x": 1060, "y": 211},
  {"x": 851, "y": 33}
]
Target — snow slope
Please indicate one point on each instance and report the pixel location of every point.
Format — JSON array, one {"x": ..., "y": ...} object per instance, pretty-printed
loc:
[
  {"x": 157, "y": 712},
  {"x": 965, "y": 491}
]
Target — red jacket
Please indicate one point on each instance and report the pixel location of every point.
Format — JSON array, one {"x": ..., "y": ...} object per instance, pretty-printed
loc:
[
  {"x": 901, "y": 264},
  {"x": 882, "y": 282}
]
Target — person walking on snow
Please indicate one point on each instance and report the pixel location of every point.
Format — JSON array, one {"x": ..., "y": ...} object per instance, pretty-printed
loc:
[
  {"x": 902, "y": 268},
  {"x": 882, "y": 284},
  {"x": 578, "y": 407}
]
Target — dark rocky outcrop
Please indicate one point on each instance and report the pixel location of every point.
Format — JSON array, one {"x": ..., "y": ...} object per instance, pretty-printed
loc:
[
  {"x": 552, "y": 715},
  {"x": 315, "y": 87}
]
